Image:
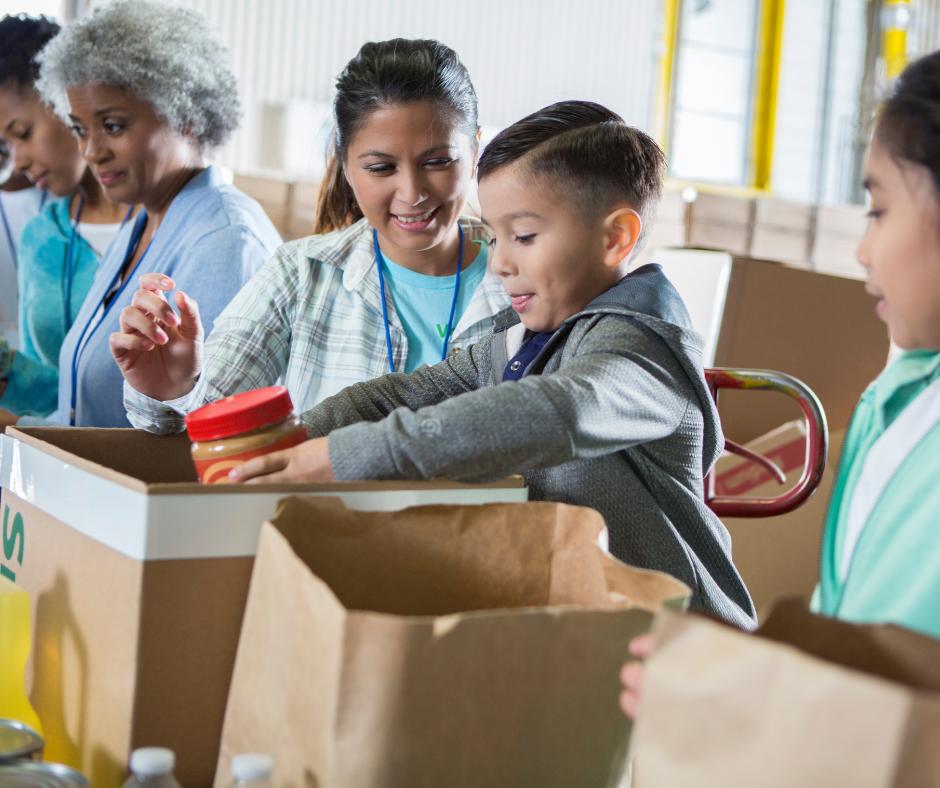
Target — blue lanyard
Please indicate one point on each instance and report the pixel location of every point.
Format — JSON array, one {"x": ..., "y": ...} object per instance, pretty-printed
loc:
[
  {"x": 104, "y": 308},
  {"x": 453, "y": 304},
  {"x": 70, "y": 263},
  {"x": 9, "y": 232}
]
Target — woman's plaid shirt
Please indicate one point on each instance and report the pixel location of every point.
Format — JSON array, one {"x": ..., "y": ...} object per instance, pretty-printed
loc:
[{"x": 309, "y": 319}]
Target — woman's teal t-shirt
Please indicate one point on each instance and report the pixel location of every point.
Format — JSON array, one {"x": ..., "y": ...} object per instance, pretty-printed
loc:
[
  {"x": 423, "y": 305},
  {"x": 32, "y": 385}
]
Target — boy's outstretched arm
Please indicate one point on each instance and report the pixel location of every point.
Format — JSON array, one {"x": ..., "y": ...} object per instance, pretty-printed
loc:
[
  {"x": 600, "y": 401},
  {"x": 370, "y": 401},
  {"x": 375, "y": 399}
]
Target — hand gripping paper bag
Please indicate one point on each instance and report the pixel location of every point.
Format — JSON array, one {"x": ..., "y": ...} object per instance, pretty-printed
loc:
[
  {"x": 437, "y": 646},
  {"x": 804, "y": 701}
]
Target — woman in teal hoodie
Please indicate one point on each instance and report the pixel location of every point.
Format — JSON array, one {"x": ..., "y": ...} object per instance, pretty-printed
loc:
[
  {"x": 58, "y": 251},
  {"x": 882, "y": 533}
]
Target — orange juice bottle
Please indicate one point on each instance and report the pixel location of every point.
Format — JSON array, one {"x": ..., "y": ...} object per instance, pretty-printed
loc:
[{"x": 14, "y": 651}]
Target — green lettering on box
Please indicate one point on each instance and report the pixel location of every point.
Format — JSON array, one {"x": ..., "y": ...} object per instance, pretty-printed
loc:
[{"x": 13, "y": 535}]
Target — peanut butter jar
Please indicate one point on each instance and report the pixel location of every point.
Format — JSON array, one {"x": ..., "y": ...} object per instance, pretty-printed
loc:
[{"x": 231, "y": 431}]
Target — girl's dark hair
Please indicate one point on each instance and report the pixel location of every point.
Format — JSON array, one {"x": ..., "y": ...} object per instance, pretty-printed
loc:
[
  {"x": 381, "y": 74},
  {"x": 908, "y": 123},
  {"x": 587, "y": 153},
  {"x": 22, "y": 37}
]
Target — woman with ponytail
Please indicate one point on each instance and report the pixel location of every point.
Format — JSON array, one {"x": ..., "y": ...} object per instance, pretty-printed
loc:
[{"x": 394, "y": 279}]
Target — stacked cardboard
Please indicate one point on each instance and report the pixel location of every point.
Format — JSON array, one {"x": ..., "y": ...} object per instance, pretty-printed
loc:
[
  {"x": 839, "y": 229},
  {"x": 290, "y": 204},
  {"x": 720, "y": 221},
  {"x": 783, "y": 231}
]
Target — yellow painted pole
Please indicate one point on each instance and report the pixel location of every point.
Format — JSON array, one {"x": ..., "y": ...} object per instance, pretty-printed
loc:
[
  {"x": 667, "y": 62},
  {"x": 769, "y": 52},
  {"x": 896, "y": 15}
]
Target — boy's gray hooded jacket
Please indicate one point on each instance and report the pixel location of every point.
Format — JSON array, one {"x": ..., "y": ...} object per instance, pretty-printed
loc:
[{"x": 613, "y": 413}]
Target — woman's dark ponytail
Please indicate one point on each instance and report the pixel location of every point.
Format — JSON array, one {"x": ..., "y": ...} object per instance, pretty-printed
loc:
[{"x": 336, "y": 204}]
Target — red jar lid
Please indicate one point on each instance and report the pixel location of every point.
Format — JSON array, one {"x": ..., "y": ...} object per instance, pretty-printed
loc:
[{"x": 250, "y": 410}]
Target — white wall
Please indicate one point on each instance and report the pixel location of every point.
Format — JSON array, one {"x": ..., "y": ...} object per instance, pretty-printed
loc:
[
  {"x": 522, "y": 54},
  {"x": 817, "y": 123},
  {"x": 799, "y": 100}
]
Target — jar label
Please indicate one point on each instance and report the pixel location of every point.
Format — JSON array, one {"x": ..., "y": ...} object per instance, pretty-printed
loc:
[{"x": 212, "y": 471}]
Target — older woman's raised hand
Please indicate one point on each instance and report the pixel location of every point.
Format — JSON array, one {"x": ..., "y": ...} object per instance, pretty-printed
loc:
[{"x": 159, "y": 351}]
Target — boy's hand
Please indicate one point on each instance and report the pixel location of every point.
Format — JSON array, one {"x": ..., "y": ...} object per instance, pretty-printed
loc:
[
  {"x": 631, "y": 674},
  {"x": 308, "y": 462},
  {"x": 7, "y": 419}
]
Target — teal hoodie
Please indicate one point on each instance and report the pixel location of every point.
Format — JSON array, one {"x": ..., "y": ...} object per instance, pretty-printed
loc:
[
  {"x": 33, "y": 376},
  {"x": 894, "y": 574}
]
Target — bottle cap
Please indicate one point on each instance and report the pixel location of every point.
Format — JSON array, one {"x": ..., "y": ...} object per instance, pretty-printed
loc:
[
  {"x": 252, "y": 766},
  {"x": 18, "y": 740},
  {"x": 250, "y": 410},
  {"x": 151, "y": 761}
]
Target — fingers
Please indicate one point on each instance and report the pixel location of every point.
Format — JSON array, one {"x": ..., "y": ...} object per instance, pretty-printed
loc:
[
  {"x": 156, "y": 282},
  {"x": 641, "y": 647},
  {"x": 135, "y": 321},
  {"x": 631, "y": 676},
  {"x": 190, "y": 325},
  {"x": 155, "y": 305},
  {"x": 264, "y": 469},
  {"x": 150, "y": 313},
  {"x": 122, "y": 344}
]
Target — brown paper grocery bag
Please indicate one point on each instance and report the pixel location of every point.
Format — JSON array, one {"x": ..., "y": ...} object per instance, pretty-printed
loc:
[
  {"x": 805, "y": 701},
  {"x": 436, "y": 646}
]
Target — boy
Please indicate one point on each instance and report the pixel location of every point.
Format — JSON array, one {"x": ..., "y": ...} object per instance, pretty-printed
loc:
[{"x": 591, "y": 386}]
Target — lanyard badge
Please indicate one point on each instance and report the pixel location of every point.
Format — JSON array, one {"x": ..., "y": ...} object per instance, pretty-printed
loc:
[
  {"x": 379, "y": 260},
  {"x": 109, "y": 299}
]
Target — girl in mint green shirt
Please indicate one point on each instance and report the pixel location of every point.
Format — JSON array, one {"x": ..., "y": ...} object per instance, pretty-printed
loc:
[{"x": 881, "y": 543}]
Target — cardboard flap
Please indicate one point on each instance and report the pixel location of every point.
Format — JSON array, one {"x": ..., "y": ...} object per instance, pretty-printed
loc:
[
  {"x": 437, "y": 560},
  {"x": 883, "y": 650},
  {"x": 117, "y": 452},
  {"x": 806, "y": 700},
  {"x": 644, "y": 588},
  {"x": 724, "y": 707}
]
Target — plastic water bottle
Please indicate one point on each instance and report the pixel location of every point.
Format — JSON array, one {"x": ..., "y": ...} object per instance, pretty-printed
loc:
[
  {"x": 15, "y": 640},
  {"x": 152, "y": 767},
  {"x": 252, "y": 770}
]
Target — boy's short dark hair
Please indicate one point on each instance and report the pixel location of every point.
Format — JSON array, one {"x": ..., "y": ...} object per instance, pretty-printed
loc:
[{"x": 590, "y": 156}]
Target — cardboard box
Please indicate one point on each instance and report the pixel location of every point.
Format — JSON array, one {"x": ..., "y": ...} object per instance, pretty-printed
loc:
[
  {"x": 272, "y": 193},
  {"x": 839, "y": 230},
  {"x": 303, "y": 209},
  {"x": 467, "y": 647},
  {"x": 138, "y": 578},
  {"x": 783, "y": 231},
  {"x": 777, "y": 556},
  {"x": 718, "y": 221},
  {"x": 761, "y": 315}
]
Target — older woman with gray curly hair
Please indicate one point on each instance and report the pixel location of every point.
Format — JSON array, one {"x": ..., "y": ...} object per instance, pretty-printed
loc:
[{"x": 147, "y": 92}]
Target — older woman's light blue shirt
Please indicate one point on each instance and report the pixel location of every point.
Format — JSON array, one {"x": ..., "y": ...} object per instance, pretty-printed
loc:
[{"x": 211, "y": 241}]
